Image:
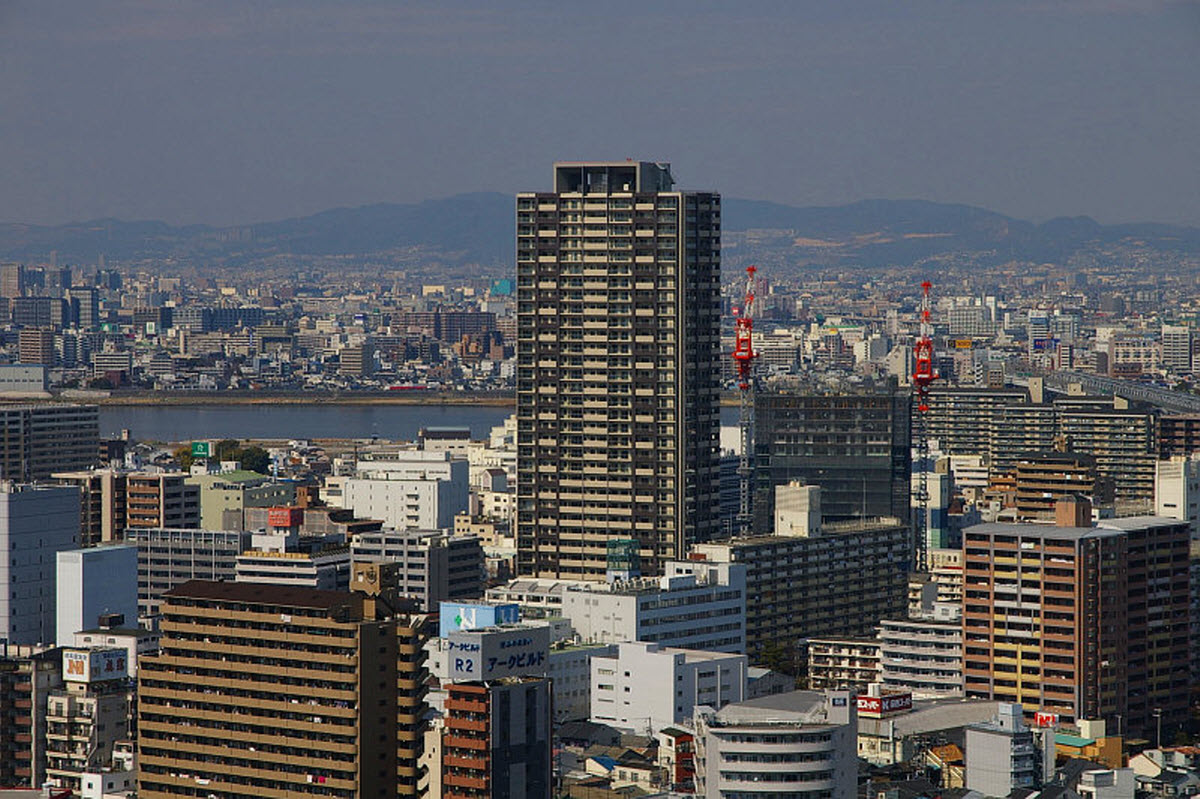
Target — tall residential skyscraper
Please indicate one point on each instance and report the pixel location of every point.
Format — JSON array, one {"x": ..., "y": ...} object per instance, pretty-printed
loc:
[{"x": 618, "y": 369}]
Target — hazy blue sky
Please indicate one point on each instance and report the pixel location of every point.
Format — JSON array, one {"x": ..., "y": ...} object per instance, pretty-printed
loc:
[{"x": 240, "y": 111}]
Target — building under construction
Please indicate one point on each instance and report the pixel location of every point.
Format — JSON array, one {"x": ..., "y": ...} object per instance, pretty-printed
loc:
[{"x": 856, "y": 447}]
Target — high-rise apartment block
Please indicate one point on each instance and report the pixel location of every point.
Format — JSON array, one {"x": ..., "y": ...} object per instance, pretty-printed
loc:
[
  {"x": 1087, "y": 622},
  {"x": 12, "y": 281},
  {"x": 281, "y": 691},
  {"x": 102, "y": 500},
  {"x": 618, "y": 368},
  {"x": 1177, "y": 348},
  {"x": 38, "y": 440},
  {"x": 1006, "y": 426}
]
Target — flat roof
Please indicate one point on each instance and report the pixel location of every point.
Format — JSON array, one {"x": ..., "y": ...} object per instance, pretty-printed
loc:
[
  {"x": 1072, "y": 740},
  {"x": 1138, "y": 522},
  {"x": 794, "y": 704},
  {"x": 262, "y": 594},
  {"x": 136, "y": 632},
  {"x": 1041, "y": 531},
  {"x": 931, "y": 716}
]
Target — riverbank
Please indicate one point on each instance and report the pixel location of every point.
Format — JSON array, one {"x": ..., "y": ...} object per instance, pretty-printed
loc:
[
  {"x": 134, "y": 399},
  {"x": 226, "y": 398}
]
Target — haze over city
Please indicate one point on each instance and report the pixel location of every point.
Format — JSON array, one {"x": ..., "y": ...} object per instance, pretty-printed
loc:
[
  {"x": 232, "y": 113},
  {"x": 677, "y": 400}
]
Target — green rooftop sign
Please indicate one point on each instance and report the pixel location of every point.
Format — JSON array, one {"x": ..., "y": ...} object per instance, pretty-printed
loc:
[{"x": 202, "y": 449}]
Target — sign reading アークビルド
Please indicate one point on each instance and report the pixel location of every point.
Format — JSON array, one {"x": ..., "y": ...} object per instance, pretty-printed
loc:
[{"x": 491, "y": 654}]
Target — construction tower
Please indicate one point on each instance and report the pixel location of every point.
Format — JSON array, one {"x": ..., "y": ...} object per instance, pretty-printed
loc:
[
  {"x": 923, "y": 376},
  {"x": 744, "y": 356}
]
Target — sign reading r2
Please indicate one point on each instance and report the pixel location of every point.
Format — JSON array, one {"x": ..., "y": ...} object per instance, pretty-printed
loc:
[{"x": 464, "y": 665}]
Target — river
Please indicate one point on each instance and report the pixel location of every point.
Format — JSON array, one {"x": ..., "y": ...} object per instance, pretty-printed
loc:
[{"x": 393, "y": 422}]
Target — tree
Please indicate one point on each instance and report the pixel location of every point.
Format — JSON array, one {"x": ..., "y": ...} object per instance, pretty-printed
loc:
[
  {"x": 255, "y": 459},
  {"x": 184, "y": 456},
  {"x": 227, "y": 449},
  {"x": 780, "y": 656}
]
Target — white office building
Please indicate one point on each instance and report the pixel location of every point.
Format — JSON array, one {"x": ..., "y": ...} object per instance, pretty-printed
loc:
[
  {"x": 416, "y": 490},
  {"x": 644, "y": 688},
  {"x": 694, "y": 605},
  {"x": 91, "y": 582},
  {"x": 800, "y": 743},
  {"x": 36, "y": 523}
]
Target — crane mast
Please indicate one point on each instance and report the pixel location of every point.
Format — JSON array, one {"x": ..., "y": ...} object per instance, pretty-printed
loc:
[
  {"x": 923, "y": 376},
  {"x": 743, "y": 357}
]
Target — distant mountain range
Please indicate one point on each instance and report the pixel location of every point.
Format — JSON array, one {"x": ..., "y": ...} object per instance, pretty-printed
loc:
[{"x": 477, "y": 230}]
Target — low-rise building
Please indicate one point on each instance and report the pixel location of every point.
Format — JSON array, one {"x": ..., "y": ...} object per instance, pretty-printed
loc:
[
  {"x": 898, "y": 731},
  {"x": 284, "y": 558},
  {"x": 646, "y": 687},
  {"x": 768, "y": 747},
  {"x": 87, "y": 715},
  {"x": 694, "y": 605},
  {"x": 416, "y": 490},
  {"x": 1001, "y": 754},
  {"x": 850, "y": 663}
]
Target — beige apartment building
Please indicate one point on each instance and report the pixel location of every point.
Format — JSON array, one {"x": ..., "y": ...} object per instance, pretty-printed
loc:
[{"x": 274, "y": 691}]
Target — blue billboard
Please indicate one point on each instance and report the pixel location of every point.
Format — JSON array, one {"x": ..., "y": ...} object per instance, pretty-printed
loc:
[{"x": 455, "y": 616}]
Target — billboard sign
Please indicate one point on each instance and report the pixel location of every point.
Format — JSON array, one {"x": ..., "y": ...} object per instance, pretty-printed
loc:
[
  {"x": 1044, "y": 344},
  {"x": 1045, "y": 719},
  {"x": 886, "y": 705},
  {"x": 499, "y": 652},
  {"x": 285, "y": 517},
  {"x": 202, "y": 449},
  {"x": 455, "y": 616},
  {"x": 94, "y": 665}
]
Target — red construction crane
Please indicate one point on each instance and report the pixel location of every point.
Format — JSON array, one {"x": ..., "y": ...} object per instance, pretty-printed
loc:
[
  {"x": 744, "y": 356},
  {"x": 923, "y": 376}
]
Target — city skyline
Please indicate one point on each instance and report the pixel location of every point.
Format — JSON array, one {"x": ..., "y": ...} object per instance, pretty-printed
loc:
[{"x": 221, "y": 114}]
